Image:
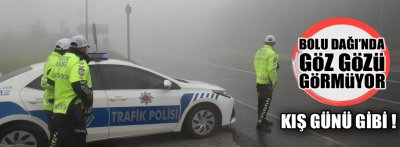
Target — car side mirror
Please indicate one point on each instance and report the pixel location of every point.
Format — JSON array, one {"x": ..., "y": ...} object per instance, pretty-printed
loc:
[{"x": 167, "y": 84}]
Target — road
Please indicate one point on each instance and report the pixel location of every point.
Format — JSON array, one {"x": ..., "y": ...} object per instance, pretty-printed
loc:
[{"x": 235, "y": 73}]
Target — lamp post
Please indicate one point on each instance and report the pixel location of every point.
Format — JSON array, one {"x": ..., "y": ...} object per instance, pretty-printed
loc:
[
  {"x": 128, "y": 10},
  {"x": 86, "y": 20}
]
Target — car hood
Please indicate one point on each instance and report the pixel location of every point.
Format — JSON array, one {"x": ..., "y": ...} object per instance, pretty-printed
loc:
[{"x": 204, "y": 85}]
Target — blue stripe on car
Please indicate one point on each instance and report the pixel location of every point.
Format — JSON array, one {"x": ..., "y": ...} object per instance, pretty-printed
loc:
[
  {"x": 10, "y": 108},
  {"x": 185, "y": 101},
  {"x": 41, "y": 114},
  {"x": 206, "y": 95},
  {"x": 116, "y": 116},
  {"x": 195, "y": 97},
  {"x": 101, "y": 117},
  {"x": 144, "y": 115}
]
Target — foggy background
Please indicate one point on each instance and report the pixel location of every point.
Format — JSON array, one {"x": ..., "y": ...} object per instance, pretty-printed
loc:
[
  {"x": 212, "y": 41},
  {"x": 190, "y": 28}
]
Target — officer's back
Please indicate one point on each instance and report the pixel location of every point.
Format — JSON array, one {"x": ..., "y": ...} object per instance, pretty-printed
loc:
[
  {"x": 73, "y": 97},
  {"x": 69, "y": 62}
]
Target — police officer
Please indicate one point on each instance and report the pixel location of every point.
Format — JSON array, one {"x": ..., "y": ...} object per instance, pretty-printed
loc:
[
  {"x": 265, "y": 65},
  {"x": 62, "y": 46},
  {"x": 73, "y": 94}
]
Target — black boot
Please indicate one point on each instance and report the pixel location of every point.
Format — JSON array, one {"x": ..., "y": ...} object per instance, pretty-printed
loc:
[
  {"x": 262, "y": 127},
  {"x": 268, "y": 123}
]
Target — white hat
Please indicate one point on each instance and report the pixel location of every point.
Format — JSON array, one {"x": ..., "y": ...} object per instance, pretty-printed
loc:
[
  {"x": 270, "y": 39},
  {"x": 79, "y": 41},
  {"x": 63, "y": 44}
]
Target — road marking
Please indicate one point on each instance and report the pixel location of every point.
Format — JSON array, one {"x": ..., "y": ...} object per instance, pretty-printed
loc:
[
  {"x": 389, "y": 101},
  {"x": 221, "y": 80},
  {"x": 250, "y": 62},
  {"x": 255, "y": 108},
  {"x": 276, "y": 117},
  {"x": 393, "y": 81},
  {"x": 309, "y": 131},
  {"x": 226, "y": 67},
  {"x": 236, "y": 69}
]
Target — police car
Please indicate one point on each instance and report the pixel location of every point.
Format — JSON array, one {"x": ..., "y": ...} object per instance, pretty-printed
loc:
[{"x": 129, "y": 100}]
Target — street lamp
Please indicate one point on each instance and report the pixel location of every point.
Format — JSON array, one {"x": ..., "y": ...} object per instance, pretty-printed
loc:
[{"x": 128, "y": 10}]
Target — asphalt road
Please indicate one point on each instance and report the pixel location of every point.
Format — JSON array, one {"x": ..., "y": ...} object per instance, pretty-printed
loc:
[{"x": 235, "y": 73}]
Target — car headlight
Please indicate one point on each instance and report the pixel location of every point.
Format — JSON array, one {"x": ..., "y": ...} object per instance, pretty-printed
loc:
[{"x": 223, "y": 93}]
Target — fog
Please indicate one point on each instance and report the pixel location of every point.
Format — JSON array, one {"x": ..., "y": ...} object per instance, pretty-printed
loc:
[{"x": 193, "y": 28}]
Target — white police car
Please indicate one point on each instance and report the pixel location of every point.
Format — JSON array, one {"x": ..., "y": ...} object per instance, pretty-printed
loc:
[{"x": 129, "y": 100}]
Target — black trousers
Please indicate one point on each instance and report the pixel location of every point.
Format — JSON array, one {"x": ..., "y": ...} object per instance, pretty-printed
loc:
[
  {"x": 50, "y": 124},
  {"x": 70, "y": 127},
  {"x": 264, "y": 93}
]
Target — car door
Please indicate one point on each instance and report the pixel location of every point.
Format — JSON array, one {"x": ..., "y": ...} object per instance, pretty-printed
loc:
[
  {"x": 32, "y": 97},
  {"x": 98, "y": 123},
  {"x": 139, "y": 103}
]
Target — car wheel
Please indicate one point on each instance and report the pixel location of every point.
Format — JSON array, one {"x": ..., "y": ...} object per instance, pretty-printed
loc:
[
  {"x": 202, "y": 122},
  {"x": 22, "y": 135}
]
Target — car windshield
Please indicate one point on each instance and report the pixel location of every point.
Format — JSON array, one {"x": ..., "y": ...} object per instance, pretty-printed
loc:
[{"x": 15, "y": 73}]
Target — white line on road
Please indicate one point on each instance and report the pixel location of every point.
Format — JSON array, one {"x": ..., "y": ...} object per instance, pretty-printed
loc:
[
  {"x": 226, "y": 67},
  {"x": 236, "y": 69},
  {"x": 255, "y": 108},
  {"x": 276, "y": 117},
  {"x": 231, "y": 68},
  {"x": 221, "y": 80},
  {"x": 393, "y": 81},
  {"x": 309, "y": 131},
  {"x": 389, "y": 101}
]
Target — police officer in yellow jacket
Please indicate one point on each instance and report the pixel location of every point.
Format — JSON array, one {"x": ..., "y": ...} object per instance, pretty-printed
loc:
[
  {"x": 73, "y": 97},
  {"x": 265, "y": 66},
  {"x": 62, "y": 46}
]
